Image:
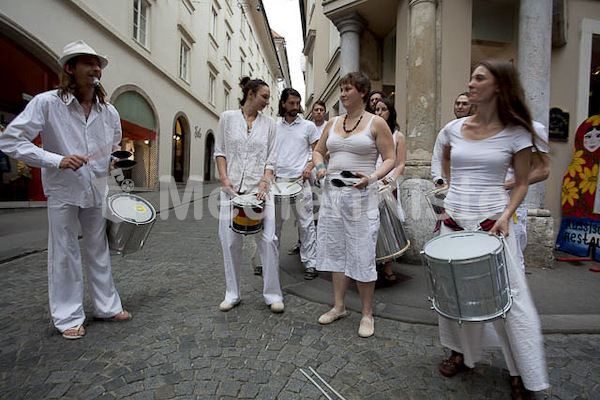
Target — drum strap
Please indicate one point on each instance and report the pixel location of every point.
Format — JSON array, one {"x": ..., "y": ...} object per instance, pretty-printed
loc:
[{"x": 485, "y": 225}]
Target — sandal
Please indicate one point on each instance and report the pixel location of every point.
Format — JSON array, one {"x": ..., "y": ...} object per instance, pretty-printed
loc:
[
  {"x": 74, "y": 332},
  {"x": 518, "y": 391},
  {"x": 389, "y": 276},
  {"x": 452, "y": 365},
  {"x": 120, "y": 317}
]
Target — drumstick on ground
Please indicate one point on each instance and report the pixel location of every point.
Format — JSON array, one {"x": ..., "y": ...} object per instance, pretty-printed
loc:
[{"x": 293, "y": 183}]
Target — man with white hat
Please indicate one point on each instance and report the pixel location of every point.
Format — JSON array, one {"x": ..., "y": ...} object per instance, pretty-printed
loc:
[{"x": 79, "y": 131}]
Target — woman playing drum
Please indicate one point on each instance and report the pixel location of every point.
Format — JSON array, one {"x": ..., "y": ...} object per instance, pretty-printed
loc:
[
  {"x": 245, "y": 154},
  {"x": 479, "y": 150},
  {"x": 349, "y": 215},
  {"x": 385, "y": 109}
]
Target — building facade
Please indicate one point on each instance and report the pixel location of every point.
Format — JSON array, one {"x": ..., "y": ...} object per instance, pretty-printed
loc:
[
  {"x": 421, "y": 52},
  {"x": 174, "y": 66}
]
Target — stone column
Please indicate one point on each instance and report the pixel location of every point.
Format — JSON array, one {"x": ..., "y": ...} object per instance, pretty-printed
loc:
[
  {"x": 350, "y": 26},
  {"x": 420, "y": 125},
  {"x": 421, "y": 87},
  {"x": 534, "y": 58}
]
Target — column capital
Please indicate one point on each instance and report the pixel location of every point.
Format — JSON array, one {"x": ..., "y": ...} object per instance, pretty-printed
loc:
[
  {"x": 413, "y": 3},
  {"x": 351, "y": 22}
]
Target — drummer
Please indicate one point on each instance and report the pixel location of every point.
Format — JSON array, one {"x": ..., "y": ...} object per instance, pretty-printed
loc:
[
  {"x": 74, "y": 158},
  {"x": 385, "y": 109},
  {"x": 246, "y": 156},
  {"x": 349, "y": 219},
  {"x": 479, "y": 150},
  {"x": 296, "y": 139}
]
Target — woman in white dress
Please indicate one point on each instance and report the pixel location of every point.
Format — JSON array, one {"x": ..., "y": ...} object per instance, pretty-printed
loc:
[
  {"x": 349, "y": 216},
  {"x": 385, "y": 109},
  {"x": 479, "y": 149}
]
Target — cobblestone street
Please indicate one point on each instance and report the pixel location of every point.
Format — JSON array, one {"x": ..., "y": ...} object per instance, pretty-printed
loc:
[{"x": 180, "y": 346}]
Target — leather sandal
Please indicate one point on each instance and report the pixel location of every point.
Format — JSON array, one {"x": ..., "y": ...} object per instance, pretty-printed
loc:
[
  {"x": 74, "y": 332},
  {"x": 518, "y": 391},
  {"x": 452, "y": 365},
  {"x": 120, "y": 317}
]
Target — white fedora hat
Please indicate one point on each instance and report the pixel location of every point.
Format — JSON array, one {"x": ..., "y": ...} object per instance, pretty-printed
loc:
[{"x": 80, "y": 48}]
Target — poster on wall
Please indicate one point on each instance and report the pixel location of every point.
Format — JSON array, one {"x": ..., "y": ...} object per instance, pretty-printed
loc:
[{"x": 580, "y": 226}]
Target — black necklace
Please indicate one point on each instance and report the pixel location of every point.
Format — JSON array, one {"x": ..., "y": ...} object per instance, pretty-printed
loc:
[{"x": 355, "y": 125}]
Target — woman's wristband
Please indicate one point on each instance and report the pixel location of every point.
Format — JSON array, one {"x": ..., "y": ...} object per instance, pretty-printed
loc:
[
  {"x": 372, "y": 179},
  {"x": 320, "y": 166}
]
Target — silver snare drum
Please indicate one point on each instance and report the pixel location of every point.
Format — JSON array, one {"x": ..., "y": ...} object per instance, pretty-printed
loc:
[
  {"x": 130, "y": 219},
  {"x": 391, "y": 238},
  {"x": 467, "y": 276}
]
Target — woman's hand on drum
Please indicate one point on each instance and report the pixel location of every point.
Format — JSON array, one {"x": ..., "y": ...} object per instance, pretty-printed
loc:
[
  {"x": 500, "y": 227},
  {"x": 263, "y": 190},
  {"x": 227, "y": 186},
  {"x": 387, "y": 180}
]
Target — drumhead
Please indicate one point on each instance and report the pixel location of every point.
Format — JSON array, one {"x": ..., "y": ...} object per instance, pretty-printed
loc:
[
  {"x": 286, "y": 189},
  {"x": 247, "y": 200},
  {"x": 462, "y": 245},
  {"x": 130, "y": 207}
]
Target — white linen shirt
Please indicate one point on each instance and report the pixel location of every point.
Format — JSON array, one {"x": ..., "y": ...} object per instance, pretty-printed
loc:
[
  {"x": 294, "y": 146},
  {"x": 65, "y": 131},
  {"x": 248, "y": 155}
]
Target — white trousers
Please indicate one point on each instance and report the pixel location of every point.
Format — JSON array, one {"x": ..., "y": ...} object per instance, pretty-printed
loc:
[
  {"x": 520, "y": 228},
  {"x": 232, "y": 244},
  {"x": 302, "y": 208},
  {"x": 65, "y": 273},
  {"x": 519, "y": 335}
]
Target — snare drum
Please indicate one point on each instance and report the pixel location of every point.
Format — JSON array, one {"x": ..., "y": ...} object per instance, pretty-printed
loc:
[
  {"x": 247, "y": 214},
  {"x": 129, "y": 222},
  {"x": 391, "y": 238},
  {"x": 286, "y": 191},
  {"x": 467, "y": 276}
]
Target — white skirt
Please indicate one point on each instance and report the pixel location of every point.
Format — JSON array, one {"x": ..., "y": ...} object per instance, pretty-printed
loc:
[{"x": 347, "y": 233}]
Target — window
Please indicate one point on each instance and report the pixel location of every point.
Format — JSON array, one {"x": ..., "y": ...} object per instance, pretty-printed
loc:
[
  {"x": 140, "y": 20},
  {"x": 211, "y": 88},
  {"x": 227, "y": 97},
  {"x": 213, "y": 23},
  {"x": 243, "y": 24},
  {"x": 228, "y": 46},
  {"x": 184, "y": 59},
  {"x": 242, "y": 69}
]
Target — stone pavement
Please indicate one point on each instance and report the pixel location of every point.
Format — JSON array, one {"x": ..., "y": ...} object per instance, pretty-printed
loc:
[{"x": 179, "y": 345}]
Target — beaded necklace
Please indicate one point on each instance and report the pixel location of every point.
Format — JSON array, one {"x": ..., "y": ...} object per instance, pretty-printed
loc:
[{"x": 355, "y": 125}]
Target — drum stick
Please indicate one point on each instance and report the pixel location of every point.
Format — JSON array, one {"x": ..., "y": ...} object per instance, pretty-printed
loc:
[
  {"x": 276, "y": 185},
  {"x": 293, "y": 183},
  {"x": 326, "y": 384},
  {"x": 316, "y": 384}
]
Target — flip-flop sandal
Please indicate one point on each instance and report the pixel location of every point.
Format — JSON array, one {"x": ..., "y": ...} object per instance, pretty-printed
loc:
[
  {"x": 120, "y": 317},
  {"x": 390, "y": 277},
  {"x": 74, "y": 332}
]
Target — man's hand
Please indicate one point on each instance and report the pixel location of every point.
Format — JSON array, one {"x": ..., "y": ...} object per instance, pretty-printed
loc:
[
  {"x": 307, "y": 171},
  {"x": 73, "y": 162}
]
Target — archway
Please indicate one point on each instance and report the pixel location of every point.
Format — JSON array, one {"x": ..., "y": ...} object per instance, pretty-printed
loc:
[
  {"x": 32, "y": 70},
  {"x": 209, "y": 163},
  {"x": 139, "y": 136},
  {"x": 181, "y": 142}
]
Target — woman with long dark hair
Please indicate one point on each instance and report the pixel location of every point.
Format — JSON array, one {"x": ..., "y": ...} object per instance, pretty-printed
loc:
[
  {"x": 479, "y": 150},
  {"x": 385, "y": 109}
]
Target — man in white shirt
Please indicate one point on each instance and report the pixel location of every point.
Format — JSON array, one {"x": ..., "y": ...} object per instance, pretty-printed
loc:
[
  {"x": 319, "y": 111},
  {"x": 79, "y": 131},
  {"x": 296, "y": 139}
]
